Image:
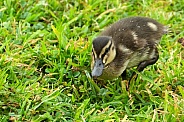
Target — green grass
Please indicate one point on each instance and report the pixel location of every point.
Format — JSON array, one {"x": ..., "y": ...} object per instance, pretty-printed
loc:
[{"x": 45, "y": 49}]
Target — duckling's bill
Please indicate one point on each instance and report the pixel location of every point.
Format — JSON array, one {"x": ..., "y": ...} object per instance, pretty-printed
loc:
[{"x": 98, "y": 68}]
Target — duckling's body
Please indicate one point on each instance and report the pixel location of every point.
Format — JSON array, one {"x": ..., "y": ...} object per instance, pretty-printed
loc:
[{"x": 127, "y": 43}]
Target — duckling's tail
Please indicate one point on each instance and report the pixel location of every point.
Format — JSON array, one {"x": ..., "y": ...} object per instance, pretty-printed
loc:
[{"x": 166, "y": 30}]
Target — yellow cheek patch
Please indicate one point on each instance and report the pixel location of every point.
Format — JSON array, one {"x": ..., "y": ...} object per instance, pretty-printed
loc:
[
  {"x": 110, "y": 56},
  {"x": 105, "y": 59}
]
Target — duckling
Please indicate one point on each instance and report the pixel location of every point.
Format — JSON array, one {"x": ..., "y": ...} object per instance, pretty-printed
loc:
[{"x": 128, "y": 43}]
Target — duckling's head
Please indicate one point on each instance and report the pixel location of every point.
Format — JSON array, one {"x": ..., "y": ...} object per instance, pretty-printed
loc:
[{"x": 103, "y": 53}]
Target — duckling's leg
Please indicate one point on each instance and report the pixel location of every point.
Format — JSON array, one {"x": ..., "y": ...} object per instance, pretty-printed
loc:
[
  {"x": 124, "y": 82},
  {"x": 123, "y": 75},
  {"x": 144, "y": 64}
]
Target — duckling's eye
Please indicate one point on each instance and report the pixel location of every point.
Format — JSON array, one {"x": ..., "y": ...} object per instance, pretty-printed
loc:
[{"x": 106, "y": 50}]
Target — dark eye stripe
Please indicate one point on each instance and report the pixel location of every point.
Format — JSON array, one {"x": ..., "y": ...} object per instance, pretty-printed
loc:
[{"x": 107, "y": 50}]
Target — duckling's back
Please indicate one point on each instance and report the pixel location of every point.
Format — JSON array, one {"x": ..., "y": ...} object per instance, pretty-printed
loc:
[{"x": 135, "y": 32}]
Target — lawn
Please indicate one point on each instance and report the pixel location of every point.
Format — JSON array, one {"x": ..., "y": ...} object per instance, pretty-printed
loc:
[{"x": 45, "y": 55}]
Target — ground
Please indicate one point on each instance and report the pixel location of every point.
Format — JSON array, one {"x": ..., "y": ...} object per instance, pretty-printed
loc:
[{"x": 45, "y": 48}]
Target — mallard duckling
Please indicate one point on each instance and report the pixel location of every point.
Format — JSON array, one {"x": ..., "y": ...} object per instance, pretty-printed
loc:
[{"x": 125, "y": 44}]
